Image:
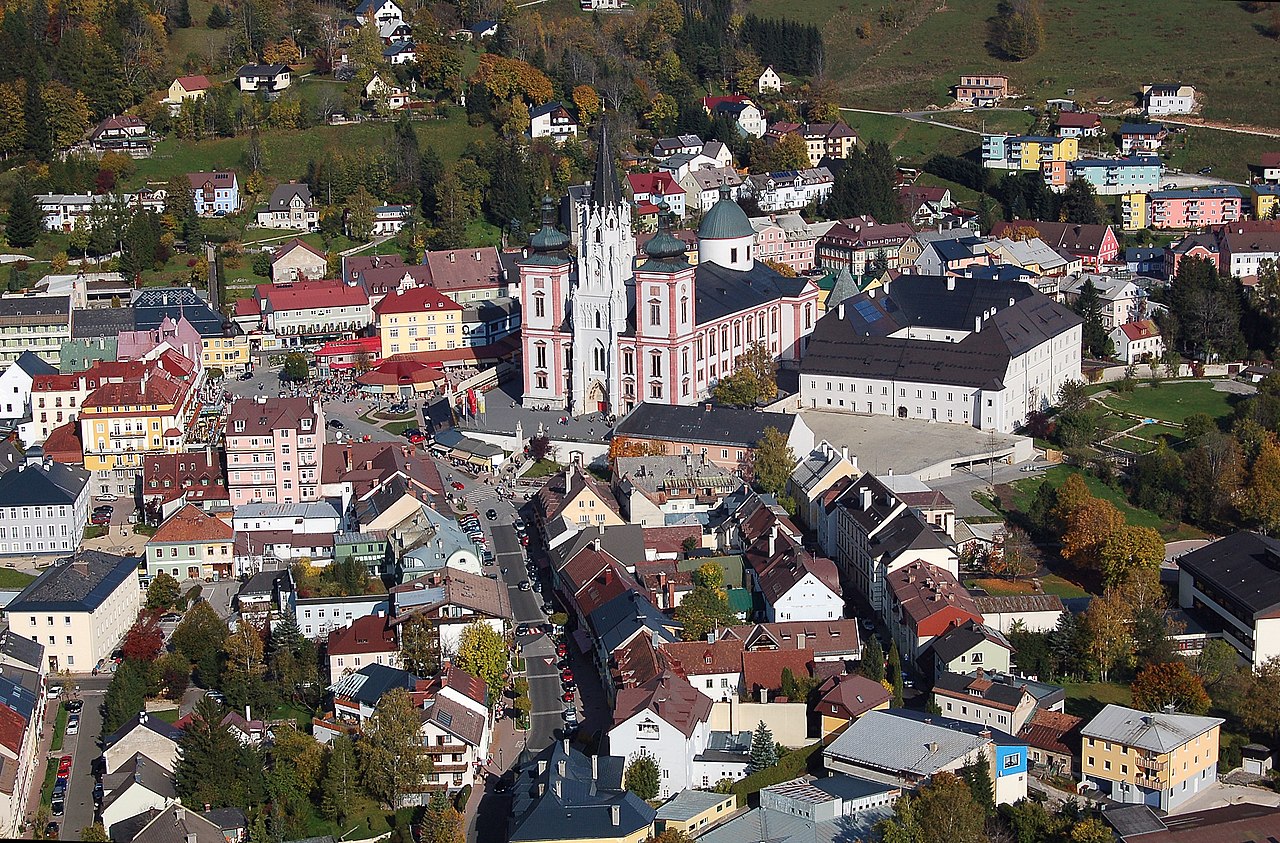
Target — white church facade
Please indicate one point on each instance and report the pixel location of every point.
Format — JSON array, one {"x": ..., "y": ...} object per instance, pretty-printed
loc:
[{"x": 603, "y": 332}]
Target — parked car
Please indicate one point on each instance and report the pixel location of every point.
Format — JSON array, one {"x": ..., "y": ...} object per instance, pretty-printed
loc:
[
  {"x": 491, "y": 514},
  {"x": 1204, "y": 171},
  {"x": 458, "y": 486},
  {"x": 567, "y": 696},
  {"x": 73, "y": 724},
  {"x": 417, "y": 439},
  {"x": 53, "y": 692},
  {"x": 566, "y": 675},
  {"x": 336, "y": 424},
  {"x": 246, "y": 376},
  {"x": 106, "y": 507},
  {"x": 106, "y": 498},
  {"x": 64, "y": 764},
  {"x": 522, "y": 629},
  {"x": 73, "y": 706},
  {"x": 58, "y": 807},
  {"x": 51, "y": 831},
  {"x": 524, "y": 585}
]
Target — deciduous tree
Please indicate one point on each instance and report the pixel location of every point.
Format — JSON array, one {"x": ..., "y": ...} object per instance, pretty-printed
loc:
[
  {"x": 143, "y": 642},
  {"x": 163, "y": 593},
  {"x": 420, "y": 646},
  {"x": 706, "y": 607},
  {"x": 1128, "y": 548},
  {"x": 773, "y": 463},
  {"x": 1019, "y": 29},
  {"x": 1158, "y": 686},
  {"x": 392, "y": 761},
  {"x": 441, "y": 822},
  {"x": 944, "y": 809},
  {"x": 200, "y": 637},
  {"x": 643, "y": 776},
  {"x": 482, "y": 652}
]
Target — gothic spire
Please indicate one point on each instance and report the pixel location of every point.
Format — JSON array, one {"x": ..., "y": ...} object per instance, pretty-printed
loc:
[{"x": 605, "y": 191}]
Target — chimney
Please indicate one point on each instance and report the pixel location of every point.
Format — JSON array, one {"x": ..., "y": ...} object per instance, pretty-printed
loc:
[
  {"x": 542, "y": 766},
  {"x": 477, "y": 256},
  {"x": 595, "y": 544},
  {"x": 142, "y": 717},
  {"x": 977, "y": 323},
  {"x": 866, "y": 499},
  {"x": 247, "y": 715},
  {"x": 951, "y": 283},
  {"x": 932, "y": 746},
  {"x": 179, "y": 814},
  {"x": 208, "y": 455},
  {"x": 1010, "y": 301},
  {"x": 190, "y": 837},
  {"x": 451, "y": 257},
  {"x": 840, "y": 312},
  {"x": 773, "y": 539},
  {"x": 615, "y": 814},
  {"x": 565, "y": 746},
  {"x": 844, "y": 451},
  {"x": 800, "y": 640},
  {"x": 595, "y": 767},
  {"x": 556, "y": 785}
]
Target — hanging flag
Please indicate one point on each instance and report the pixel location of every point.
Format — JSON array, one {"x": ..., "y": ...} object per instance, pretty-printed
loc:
[
  {"x": 480, "y": 403},
  {"x": 471, "y": 401}
]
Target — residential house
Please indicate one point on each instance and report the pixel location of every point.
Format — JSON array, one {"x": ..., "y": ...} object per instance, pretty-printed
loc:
[
  {"x": 976, "y": 699},
  {"x": 822, "y": 140},
  {"x": 1157, "y": 759},
  {"x": 575, "y": 499},
  {"x": 266, "y": 595},
  {"x": 1034, "y": 612},
  {"x": 1078, "y": 124},
  {"x": 1267, "y": 170},
  {"x": 843, "y": 699},
  {"x": 1117, "y": 176},
  {"x": 452, "y": 599},
  {"x": 1027, "y": 152},
  {"x": 367, "y": 640},
  {"x": 1095, "y": 245},
  {"x": 967, "y": 646},
  {"x": 15, "y": 387},
  {"x": 886, "y": 746},
  {"x": 274, "y": 450},
  {"x": 22, "y": 710},
  {"x": 401, "y": 51},
  {"x": 1141, "y": 137},
  {"x": 795, "y": 585},
  {"x": 263, "y": 78},
  {"x": 215, "y": 194},
  {"x": 982, "y": 88},
  {"x": 65, "y": 212},
  {"x": 139, "y": 785},
  {"x": 418, "y": 319},
  {"x": 804, "y": 810},
  {"x": 859, "y": 243},
  {"x": 953, "y": 257},
  {"x": 563, "y": 792},
  {"x": 1194, "y": 207},
  {"x": 1137, "y": 342},
  {"x": 37, "y": 324},
  {"x": 170, "y": 481},
  {"x": 654, "y": 491},
  {"x": 1162, "y": 99},
  {"x": 122, "y": 133},
  {"x": 1122, "y": 299},
  {"x": 617, "y": 622},
  {"x": 385, "y": 13},
  {"x": 304, "y": 312},
  {"x": 924, "y": 601},
  {"x": 741, "y": 110},
  {"x": 144, "y": 734},
  {"x": 925, "y": 206},
  {"x": 702, "y": 186},
  {"x": 222, "y": 344},
  {"x": 1266, "y": 201},
  {"x": 456, "y": 730},
  {"x": 726, "y": 436},
  {"x": 788, "y": 240},
  {"x": 291, "y": 206},
  {"x": 1033, "y": 255},
  {"x": 552, "y": 120},
  {"x": 683, "y": 163},
  {"x": 185, "y": 89},
  {"x": 651, "y": 190},
  {"x": 380, "y": 94},
  {"x": 813, "y": 476},
  {"x": 273, "y": 534},
  {"x": 319, "y": 616},
  {"x": 165, "y": 827},
  {"x": 483, "y": 29},
  {"x": 356, "y": 696},
  {"x": 769, "y": 81},
  {"x": 297, "y": 261},
  {"x": 1053, "y": 742},
  {"x": 388, "y": 220},
  {"x": 666, "y": 147},
  {"x": 1244, "y": 247},
  {"x": 790, "y": 190},
  {"x": 470, "y": 275},
  {"x": 191, "y": 545}
]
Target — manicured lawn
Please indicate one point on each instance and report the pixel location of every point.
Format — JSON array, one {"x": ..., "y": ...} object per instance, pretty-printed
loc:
[
  {"x": 50, "y": 776},
  {"x": 1064, "y": 588},
  {"x": 299, "y": 715},
  {"x": 1173, "y": 402},
  {"x": 910, "y": 140},
  {"x": 10, "y": 578},
  {"x": 1130, "y": 443},
  {"x": 59, "y": 728},
  {"x": 1085, "y": 699},
  {"x": 1115, "y": 423},
  {"x": 999, "y": 588},
  {"x": 168, "y": 715},
  {"x": 1024, "y": 491},
  {"x": 1157, "y": 432},
  {"x": 542, "y": 468}
]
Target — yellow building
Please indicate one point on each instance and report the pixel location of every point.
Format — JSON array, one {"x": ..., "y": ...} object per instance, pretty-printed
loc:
[
  {"x": 1158, "y": 759},
  {"x": 579, "y": 499},
  {"x": 122, "y": 421},
  {"x": 418, "y": 319},
  {"x": 693, "y": 811},
  {"x": 1133, "y": 211},
  {"x": 225, "y": 353},
  {"x": 1034, "y": 150},
  {"x": 1266, "y": 200},
  {"x": 187, "y": 88}
]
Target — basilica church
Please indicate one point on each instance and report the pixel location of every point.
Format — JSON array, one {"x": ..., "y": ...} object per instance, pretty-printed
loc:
[{"x": 606, "y": 329}]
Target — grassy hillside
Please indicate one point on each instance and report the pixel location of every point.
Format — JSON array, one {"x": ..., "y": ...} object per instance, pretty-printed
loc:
[{"x": 1102, "y": 49}]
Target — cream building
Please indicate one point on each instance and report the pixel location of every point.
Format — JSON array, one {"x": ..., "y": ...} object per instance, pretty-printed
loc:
[
  {"x": 80, "y": 610},
  {"x": 418, "y": 319}
]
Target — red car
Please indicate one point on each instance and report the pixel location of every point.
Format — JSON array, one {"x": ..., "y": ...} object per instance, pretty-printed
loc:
[
  {"x": 457, "y": 485},
  {"x": 417, "y": 439},
  {"x": 524, "y": 541},
  {"x": 100, "y": 519},
  {"x": 64, "y": 764},
  {"x": 567, "y": 696},
  {"x": 562, "y": 651},
  {"x": 566, "y": 675}
]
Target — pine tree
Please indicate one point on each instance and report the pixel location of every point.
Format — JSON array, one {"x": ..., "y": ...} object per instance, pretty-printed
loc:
[
  {"x": 285, "y": 634},
  {"x": 895, "y": 667},
  {"x": 430, "y": 171},
  {"x": 182, "y": 18},
  {"x": 38, "y": 142},
  {"x": 1093, "y": 333},
  {"x": 978, "y": 775},
  {"x": 22, "y": 226},
  {"x": 872, "y": 664},
  {"x": 764, "y": 752}
]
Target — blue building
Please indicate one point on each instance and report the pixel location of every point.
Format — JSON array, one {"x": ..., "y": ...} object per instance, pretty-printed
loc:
[
  {"x": 215, "y": 194},
  {"x": 1114, "y": 176}
]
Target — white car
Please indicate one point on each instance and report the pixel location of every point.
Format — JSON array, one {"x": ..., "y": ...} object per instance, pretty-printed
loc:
[
  {"x": 73, "y": 724},
  {"x": 53, "y": 692},
  {"x": 107, "y": 498}
]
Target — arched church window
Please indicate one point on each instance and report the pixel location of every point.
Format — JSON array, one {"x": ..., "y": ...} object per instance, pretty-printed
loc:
[
  {"x": 684, "y": 310},
  {"x": 598, "y": 321}
]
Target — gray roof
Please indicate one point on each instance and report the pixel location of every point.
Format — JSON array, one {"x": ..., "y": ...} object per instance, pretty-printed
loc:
[
  {"x": 959, "y": 640},
  {"x": 43, "y": 310},
  {"x": 578, "y": 803},
  {"x": 33, "y": 364},
  {"x": 719, "y": 292},
  {"x": 77, "y": 586},
  {"x": 16, "y": 648},
  {"x": 605, "y": 190},
  {"x": 176, "y": 824},
  {"x": 1242, "y": 569},
  {"x": 855, "y": 338},
  {"x": 687, "y": 804},
  {"x": 155, "y": 724},
  {"x": 980, "y": 688},
  {"x": 369, "y": 683},
  {"x": 897, "y": 745},
  {"x": 1155, "y": 732},
  {"x": 706, "y": 424},
  {"x": 618, "y": 620},
  {"x": 762, "y": 825},
  {"x": 43, "y": 484},
  {"x": 139, "y": 771},
  {"x": 725, "y": 220},
  {"x": 98, "y": 323},
  {"x": 624, "y": 542}
]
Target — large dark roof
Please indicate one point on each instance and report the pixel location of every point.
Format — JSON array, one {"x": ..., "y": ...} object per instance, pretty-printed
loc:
[
  {"x": 616, "y": 621},
  {"x": 32, "y": 364},
  {"x": 578, "y": 803},
  {"x": 152, "y": 305},
  {"x": 22, "y": 650},
  {"x": 101, "y": 322},
  {"x": 43, "y": 484},
  {"x": 77, "y": 586},
  {"x": 719, "y": 292},
  {"x": 958, "y": 684},
  {"x": 703, "y": 423},
  {"x": 1244, "y": 567},
  {"x": 155, "y": 724},
  {"x": 958, "y": 640},
  {"x": 854, "y": 339}
]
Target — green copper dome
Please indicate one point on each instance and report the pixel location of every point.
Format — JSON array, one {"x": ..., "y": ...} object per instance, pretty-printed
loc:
[
  {"x": 548, "y": 238},
  {"x": 725, "y": 220},
  {"x": 664, "y": 246}
]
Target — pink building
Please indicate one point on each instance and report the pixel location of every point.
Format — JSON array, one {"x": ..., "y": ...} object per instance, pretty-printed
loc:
[
  {"x": 181, "y": 336},
  {"x": 787, "y": 239},
  {"x": 1194, "y": 207},
  {"x": 274, "y": 448}
]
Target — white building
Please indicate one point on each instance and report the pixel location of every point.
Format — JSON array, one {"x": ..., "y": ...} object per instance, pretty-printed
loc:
[
  {"x": 702, "y": 186},
  {"x": 798, "y": 586},
  {"x": 1137, "y": 342},
  {"x": 552, "y": 120},
  {"x": 1159, "y": 100},
  {"x": 318, "y": 616},
  {"x": 959, "y": 350},
  {"x": 44, "y": 506},
  {"x": 790, "y": 190},
  {"x": 453, "y": 599},
  {"x": 385, "y": 13},
  {"x": 456, "y": 730},
  {"x": 769, "y": 81},
  {"x": 140, "y": 785},
  {"x": 741, "y": 110},
  {"x": 66, "y": 211},
  {"x": 291, "y": 206},
  {"x": 143, "y": 734},
  {"x": 15, "y": 387},
  {"x": 1122, "y": 300},
  {"x": 1234, "y": 581}
]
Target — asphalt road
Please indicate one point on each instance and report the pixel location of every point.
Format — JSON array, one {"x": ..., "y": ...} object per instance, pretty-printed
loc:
[{"x": 83, "y": 748}]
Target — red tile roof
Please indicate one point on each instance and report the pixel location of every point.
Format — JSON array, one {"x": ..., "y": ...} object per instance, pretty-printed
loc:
[
  {"x": 472, "y": 687},
  {"x": 191, "y": 524},
  {"x": 763, "y": 668},
  {"x": 307, "y": 295},
  {"x": 670, "y": 697},
  {"x": 636, "y": 662},
  {"x": 12, "y": 727},
  {"x": 666, "y": 540},
  {"x": 247, "y": 307},
  {"x": 465, "y": 269},
  {"x": 1270, "y": 159},
  {"x": 924, "y": 591},
  {"x": 156, "y": 387},
  {"x": 262, "y": 419},
  {"x": 610, "y": 583},
  {"x": 194, "y": 83},
  {"x": 368, "y": 634},
  {"x": 220, "y": 178},
  {"x": 1054, "y": 731},
  {"x": 660, "y": 183},
  {"x": 853, "y": 692},
  {"x": 1140, "y": 330},
  {"x": 63, "y": 444},
  {"x": 197, "y": 474},
  {"x": 416, "y": 300},
  {"x": 1078, "y": 120}
]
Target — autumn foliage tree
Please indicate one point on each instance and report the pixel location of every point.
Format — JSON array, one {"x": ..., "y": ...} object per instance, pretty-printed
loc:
[
  {"x": 1262, "y": 494},
  {"x": 143, "y": 642},
  {"x": 1158, "y": 686},
  {"x": 1096, "y": 537},
  {"x": 505, "y": 78}
]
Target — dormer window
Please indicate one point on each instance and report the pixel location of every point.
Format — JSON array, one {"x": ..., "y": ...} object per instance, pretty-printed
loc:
[{"x": 239, "y": 425}]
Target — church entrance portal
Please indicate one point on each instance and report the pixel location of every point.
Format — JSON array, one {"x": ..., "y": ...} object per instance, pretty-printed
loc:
[{"x": 596, "y": 397}]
